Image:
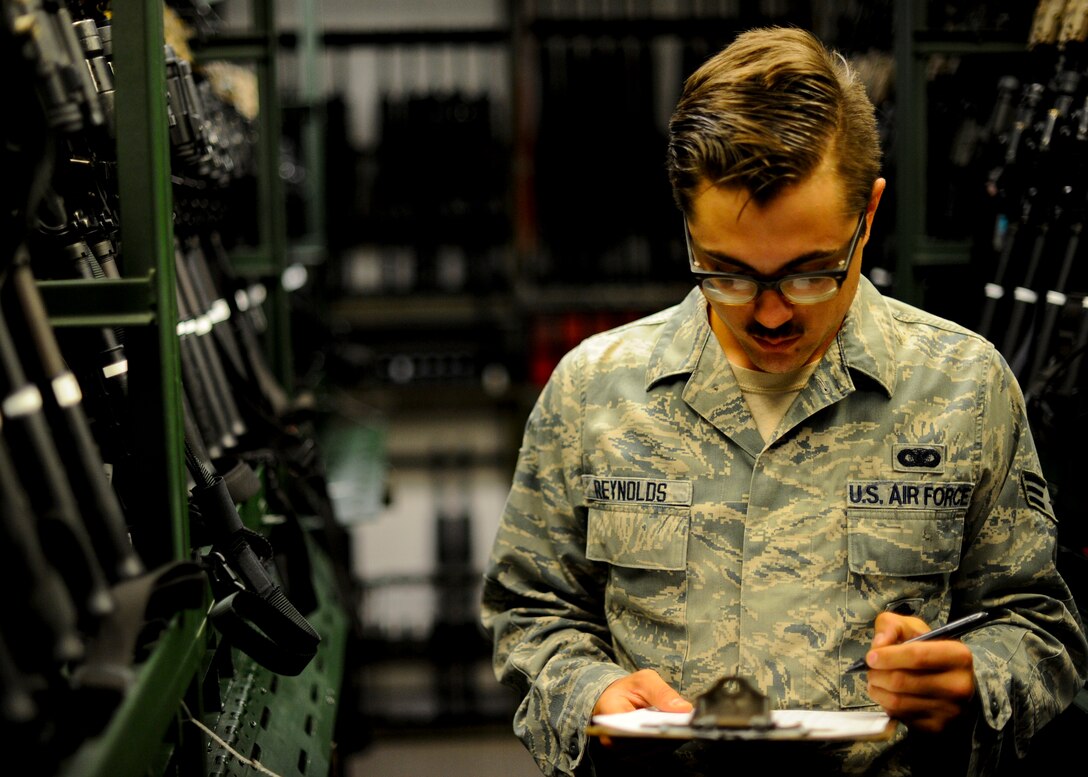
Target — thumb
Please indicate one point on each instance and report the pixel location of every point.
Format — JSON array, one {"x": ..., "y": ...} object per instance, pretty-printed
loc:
[
  {"x": 677, "y": 704},
  {"x": 644, "y": 688},
  {"x": 662, "y": 696}
]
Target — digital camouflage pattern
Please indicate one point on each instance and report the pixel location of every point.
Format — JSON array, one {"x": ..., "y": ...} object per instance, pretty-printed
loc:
[{"x": 650, "y": 526}]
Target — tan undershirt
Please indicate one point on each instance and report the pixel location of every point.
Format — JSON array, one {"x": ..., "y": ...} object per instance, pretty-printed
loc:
[{"x": 769, "y": 394}]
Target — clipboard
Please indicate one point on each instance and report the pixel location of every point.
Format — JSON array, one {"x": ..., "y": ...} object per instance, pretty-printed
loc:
[
  {"x": 732, "y": 709},
  {"x": 785, "y": 725}
]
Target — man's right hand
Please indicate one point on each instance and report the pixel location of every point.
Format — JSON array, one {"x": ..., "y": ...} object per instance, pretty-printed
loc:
[{"x": 644, "y": 688}]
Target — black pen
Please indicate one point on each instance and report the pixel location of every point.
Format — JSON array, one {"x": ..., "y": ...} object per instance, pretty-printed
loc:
[{"x": 954, "y": 628}]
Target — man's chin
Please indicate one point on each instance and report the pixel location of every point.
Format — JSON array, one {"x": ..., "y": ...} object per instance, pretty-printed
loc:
[{"x": 777, "y": 367}]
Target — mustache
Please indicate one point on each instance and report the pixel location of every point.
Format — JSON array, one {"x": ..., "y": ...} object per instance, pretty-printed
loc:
[{"x": 755, "y": 329}]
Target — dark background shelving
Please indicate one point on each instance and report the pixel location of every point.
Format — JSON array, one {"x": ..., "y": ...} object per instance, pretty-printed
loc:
[
  {"x": 580, "y": 229},
  {"x": 445, "y": 199},
  {"x": 160, "y": 684}
]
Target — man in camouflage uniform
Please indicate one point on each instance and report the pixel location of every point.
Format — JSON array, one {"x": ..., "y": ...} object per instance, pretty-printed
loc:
[{"x": 782, "y": 474}]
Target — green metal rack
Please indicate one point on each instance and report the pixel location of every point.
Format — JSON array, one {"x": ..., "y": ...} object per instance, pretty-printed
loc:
[{"x": 195, "y": 705}]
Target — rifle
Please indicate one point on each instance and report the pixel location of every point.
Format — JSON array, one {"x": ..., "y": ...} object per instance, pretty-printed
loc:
[
  {"x": 248, "y": 322},
  {"x": 275, "y": 436},
  {"x": 95, "y": 43},
  {"x": 251, "y": 609},
  {"x": 97, "y": 355},
  {"x": 1071, "y": 382},
  {"x": 1049, "y": 158},
  {"x": 68, "y": 96},
  {"x": 204, "y": 319},
  {"x": 1056, "y": 298},
  {"x": 42, "y": 604},
  {"x": 208, "y": 297},
  {"x": 205, "y": 396},
  {"x": 41, "y": 470},
  {"x": 101, "y": 507},
  {"x": 1007, "y": 180},
  {"x": 189, "y": 132}
]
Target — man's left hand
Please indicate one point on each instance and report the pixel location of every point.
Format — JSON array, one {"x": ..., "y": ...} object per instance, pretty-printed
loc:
[{"x": 927, "y": 685}]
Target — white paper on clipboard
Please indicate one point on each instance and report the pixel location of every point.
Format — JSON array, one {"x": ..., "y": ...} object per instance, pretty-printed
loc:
[{"x": 817, "y": 724}]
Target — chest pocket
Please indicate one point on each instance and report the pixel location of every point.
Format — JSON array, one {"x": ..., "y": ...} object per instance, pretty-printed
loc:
[
  {"x": 640, "y": 537},
  {"x": 902, "y": 543},
  {"x": 905, "y": 528}
]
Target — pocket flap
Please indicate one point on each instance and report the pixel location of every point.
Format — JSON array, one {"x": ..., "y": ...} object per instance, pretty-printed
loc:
[
  {"x": 651, "y": 538},
  {"x": 904, "y": 542}
]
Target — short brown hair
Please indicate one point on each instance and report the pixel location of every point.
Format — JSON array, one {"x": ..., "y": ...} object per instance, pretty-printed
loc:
[{"x": 764, "y": 111}]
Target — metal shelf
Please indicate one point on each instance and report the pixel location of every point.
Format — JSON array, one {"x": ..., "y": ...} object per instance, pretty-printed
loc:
[{"x": 149, "y": 732}]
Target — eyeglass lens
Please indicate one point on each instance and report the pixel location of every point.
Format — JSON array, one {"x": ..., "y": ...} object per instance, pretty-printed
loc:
[{"x": 739, "y": 290}]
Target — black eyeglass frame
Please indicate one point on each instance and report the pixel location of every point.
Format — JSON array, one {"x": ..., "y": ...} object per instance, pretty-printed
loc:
[{"x": 775, "y": 284}]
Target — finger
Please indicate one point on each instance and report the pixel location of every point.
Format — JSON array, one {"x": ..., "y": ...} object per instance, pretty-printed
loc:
[
  {"x": 956, "y": 687},
  {"x": 912, "y": 708},
  {"x": 937, "y": 655},
  {"x": 891, "y": 628},
  {"x": 906, "y": 706},
  {"x": 615, "y": 699},
  {"x": 923, "y": 714}
]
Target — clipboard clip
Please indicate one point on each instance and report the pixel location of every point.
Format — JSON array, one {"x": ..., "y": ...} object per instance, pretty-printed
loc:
[{"x": 732, "y": 703}]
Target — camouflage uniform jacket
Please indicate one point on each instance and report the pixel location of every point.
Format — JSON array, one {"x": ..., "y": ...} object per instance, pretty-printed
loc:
[{"x": 649, "y": 525}]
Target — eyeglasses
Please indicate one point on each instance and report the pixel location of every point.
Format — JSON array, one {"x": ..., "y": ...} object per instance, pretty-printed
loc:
[{"x": 805, "y": 288}]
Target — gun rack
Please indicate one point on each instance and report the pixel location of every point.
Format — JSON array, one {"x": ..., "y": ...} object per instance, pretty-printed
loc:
[{"x": 197, "y": 684}]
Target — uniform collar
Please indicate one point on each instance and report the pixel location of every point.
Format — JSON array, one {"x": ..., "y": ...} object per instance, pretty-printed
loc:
[
  {"x": 681, "y": 342},
  {"x": 865, "y": 342}
]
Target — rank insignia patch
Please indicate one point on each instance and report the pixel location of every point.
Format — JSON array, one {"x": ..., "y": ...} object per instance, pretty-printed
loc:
[{"x": 1036, "y": 493}]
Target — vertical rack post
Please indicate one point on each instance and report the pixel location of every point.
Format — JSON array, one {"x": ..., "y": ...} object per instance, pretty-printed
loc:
[
  {"x": 134, "y": 736},
  {"x": 146, "y": 218}
]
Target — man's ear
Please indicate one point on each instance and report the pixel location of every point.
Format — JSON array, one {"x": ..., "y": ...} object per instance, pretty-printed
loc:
[{"x": 874, "y": 201}]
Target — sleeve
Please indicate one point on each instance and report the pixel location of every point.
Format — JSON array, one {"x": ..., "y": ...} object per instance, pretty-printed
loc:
[
  {"x": 1031, "y": 660},
  {"x": 543, "y": 601}
]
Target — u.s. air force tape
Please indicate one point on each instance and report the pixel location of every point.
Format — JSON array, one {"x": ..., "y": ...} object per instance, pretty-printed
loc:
[
  {"x": 636, "y": 490},
  {"x": 908, "y": 494}
]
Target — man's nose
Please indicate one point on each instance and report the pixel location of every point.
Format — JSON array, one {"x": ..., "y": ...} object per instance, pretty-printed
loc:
[{"x": 772, "y": 309}]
